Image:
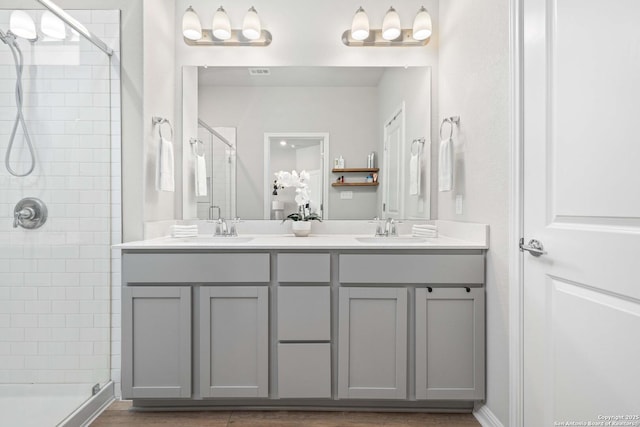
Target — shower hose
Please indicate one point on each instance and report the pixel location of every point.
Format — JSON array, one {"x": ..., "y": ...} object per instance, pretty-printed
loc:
[{"x": 10, "y": 40}]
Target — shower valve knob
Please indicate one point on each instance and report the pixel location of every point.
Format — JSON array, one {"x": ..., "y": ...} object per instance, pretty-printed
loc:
[{"x": 30, "y": 213}]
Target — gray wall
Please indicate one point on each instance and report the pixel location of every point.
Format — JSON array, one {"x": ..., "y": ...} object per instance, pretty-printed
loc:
[
  {"x": 348, "y": 114},
  {"x": 474, "y": 83}
]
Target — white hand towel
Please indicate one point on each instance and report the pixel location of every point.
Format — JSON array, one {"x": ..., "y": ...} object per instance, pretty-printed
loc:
[
  {"x": 445, "y": 165},
  {"x": 414, "y": 175},
  {"x": 201, "y": 175},
  {"x": 165, "y": 175}
]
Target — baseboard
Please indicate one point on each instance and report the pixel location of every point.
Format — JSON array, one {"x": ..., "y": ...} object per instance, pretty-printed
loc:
[
  {"x": 89, "y": 411},
  {"x": 485, "y": 417}
]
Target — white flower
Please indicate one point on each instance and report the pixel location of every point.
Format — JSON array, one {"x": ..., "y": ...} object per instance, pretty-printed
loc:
[{"x": 286, "y": 179}]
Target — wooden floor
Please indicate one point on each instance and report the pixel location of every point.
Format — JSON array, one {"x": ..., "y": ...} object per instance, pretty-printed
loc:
[{"x": 119, "y": 415}]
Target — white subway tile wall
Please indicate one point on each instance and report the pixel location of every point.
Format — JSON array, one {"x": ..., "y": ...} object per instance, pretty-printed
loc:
[{"x": 60, "y": 284}]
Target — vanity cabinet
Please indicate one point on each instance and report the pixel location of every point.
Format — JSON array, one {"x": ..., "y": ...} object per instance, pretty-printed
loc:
[
  {"x": 372, "y": 347},
  {"x": 234, "y": 341},
  {"x": 450, "y": 343},
  {"x": 156, "y": 342}
]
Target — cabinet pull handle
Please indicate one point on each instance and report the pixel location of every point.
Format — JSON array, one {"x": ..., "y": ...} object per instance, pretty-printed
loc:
[
  {"x": 430, "y": 289},
  {"x": 468, "y": 289}
]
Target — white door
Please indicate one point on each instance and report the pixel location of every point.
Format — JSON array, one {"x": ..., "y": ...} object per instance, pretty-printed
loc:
[
  {"x": 392, "y": 177},
  {"x": 582, "y": 201}
]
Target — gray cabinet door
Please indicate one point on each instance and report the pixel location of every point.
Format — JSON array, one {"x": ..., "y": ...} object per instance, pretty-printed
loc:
[
  {"x": 156, "y": 342},
  {"x": 234, "y": 341},
  {"x": 450, "y": 348},
  {"x": 372, "y": 345}
]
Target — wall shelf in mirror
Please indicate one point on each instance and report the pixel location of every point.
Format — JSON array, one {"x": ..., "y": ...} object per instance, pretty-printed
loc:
[
  {"x": 350, "y": 170},
  {"x": 355, "y": 184}
]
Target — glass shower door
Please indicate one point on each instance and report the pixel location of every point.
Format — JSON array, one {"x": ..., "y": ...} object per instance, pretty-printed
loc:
[{"x": 56, "y": 280}]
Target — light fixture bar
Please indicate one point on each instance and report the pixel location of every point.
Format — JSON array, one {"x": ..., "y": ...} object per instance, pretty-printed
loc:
[
  {"x": 236, "y": 39},
  {"x": 375, "y": 39},
  {"x": 73, "y": 23}
]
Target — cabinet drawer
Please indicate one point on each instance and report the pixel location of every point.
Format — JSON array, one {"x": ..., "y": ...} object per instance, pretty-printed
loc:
[
  {"x": 304, "y": 313},
  {"x": 407, "y": 268},
  {"x": 195, "y": 268},
  {"x": 304, "y": 268},
  {"x": 304, "y": 370}
]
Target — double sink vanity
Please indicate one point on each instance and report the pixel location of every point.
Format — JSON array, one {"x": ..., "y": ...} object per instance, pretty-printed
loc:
[{"x": 327, "y": 321}]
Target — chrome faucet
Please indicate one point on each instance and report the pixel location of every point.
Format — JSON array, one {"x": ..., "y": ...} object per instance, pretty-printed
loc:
[
  {"x": 390, "y": 228},
  {"x": 385, "y": 228},
  {"x": 222, "y": 229}
]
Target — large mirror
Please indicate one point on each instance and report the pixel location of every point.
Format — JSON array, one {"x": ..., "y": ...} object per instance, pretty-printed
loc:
[{"x": 362, "y": 133}]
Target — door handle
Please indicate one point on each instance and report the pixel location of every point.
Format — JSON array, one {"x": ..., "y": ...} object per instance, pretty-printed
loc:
[{"x": 534, "y": 247}]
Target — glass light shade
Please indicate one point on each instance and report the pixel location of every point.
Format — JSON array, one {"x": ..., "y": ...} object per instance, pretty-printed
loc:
[
  {"x": 22, "y": 25},
  {"x": 391, "y": 28},
  {"x": 251, "y": 27},
  {"x": 360, "y": 25},
  {"x": 221, "y": 26},
  {"x": 422, "y": 25},
  {"x": 191, "y": 27},
  {"x": 52, "y": 26}
]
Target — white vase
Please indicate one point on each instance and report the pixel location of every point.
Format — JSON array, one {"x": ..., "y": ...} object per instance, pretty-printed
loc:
[{"x": 301, "y": 228}]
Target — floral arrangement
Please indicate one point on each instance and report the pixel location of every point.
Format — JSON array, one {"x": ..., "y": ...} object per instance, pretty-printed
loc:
[{"x": 300, "y": 183}]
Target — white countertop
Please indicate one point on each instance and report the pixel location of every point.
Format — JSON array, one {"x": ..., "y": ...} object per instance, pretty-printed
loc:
[{"x": 288, "y": 241}]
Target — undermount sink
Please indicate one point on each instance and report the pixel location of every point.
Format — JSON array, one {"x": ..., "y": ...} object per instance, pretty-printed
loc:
[
  {"x": 392, "y": 240},
  {"x": 221, "y": 240}
]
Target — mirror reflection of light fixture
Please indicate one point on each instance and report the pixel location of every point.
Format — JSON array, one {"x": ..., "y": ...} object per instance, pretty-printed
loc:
[
  {"x": 221, "y": 33},
  {"x": 22, "y": 25},
  {"x": 52, "y": 26},
  {"x": 360, "y": 25},
  {"x": 391, "y": 34},
  {"x": 191, "y": 27},
  {"x": 391, "y": 28},
  {"x": 422, "y": 25},
  {"x": 221, "y": 26}
]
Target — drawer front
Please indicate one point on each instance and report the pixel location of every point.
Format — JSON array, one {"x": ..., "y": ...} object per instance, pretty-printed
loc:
[
  {"x": 195, "y": 268},
  {"x": 300, "y": 268},
  {"x": 304, "y": 313},
  {"x": 304, "y": 370},
  {"x": 427, "y": 268}
]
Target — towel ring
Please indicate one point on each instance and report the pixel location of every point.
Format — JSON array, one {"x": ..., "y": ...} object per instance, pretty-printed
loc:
[
  {"x": 161, "y": 121},
  {"x": 197, "y": 142},
  {"x": 451, "y": 120},
  {"x": 417, "y": 142}
]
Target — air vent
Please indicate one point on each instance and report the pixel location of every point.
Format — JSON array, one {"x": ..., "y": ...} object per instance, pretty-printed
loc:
[{"x": 259, "y": 71}]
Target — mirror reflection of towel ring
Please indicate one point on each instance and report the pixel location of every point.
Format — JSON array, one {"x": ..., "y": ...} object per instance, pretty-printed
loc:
[{"x": 455, "y": 120}]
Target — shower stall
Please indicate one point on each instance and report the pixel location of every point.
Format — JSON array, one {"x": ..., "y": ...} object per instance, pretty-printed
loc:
[{"x": 59, "y": 211}]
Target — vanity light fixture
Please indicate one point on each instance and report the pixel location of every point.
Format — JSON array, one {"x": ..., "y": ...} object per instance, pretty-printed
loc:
[
  {"x": 422, "y": 25},
  {"x": 391, "y": 28},
  {"x": 52, "y": 26},
  {"x": 360, "y": 25},
  {"x": 391, "y": 34},
  {"x": 191, "y": 27},
  {"x": 22, "y": 25},
  {"x": 221, "y": 26},
  {"x": 221, "y": 33}
]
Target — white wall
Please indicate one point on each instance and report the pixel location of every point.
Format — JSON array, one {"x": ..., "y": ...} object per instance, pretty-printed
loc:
[
  {"x": 159, "y": 100},
  {"x": 309, "y": 34},
  {"x": 474, "y": 83},
  {"x": 348, "y": 114}
]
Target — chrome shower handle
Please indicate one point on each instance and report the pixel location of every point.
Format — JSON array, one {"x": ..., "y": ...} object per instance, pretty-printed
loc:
[
  {"x": 30, "y": 213},
  {"x": 21, "y": 215}
]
